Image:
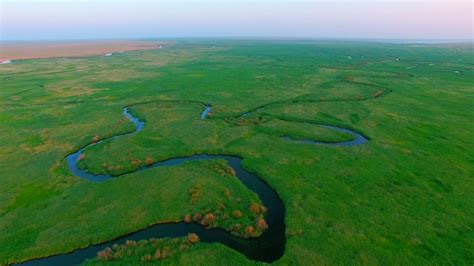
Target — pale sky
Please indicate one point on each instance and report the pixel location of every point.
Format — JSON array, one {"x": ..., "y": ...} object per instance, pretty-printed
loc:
[{"x": 89, "y": 19}]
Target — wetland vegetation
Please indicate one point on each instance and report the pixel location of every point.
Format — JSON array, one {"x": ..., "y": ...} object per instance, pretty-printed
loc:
[{"x": 404, "y": 197}]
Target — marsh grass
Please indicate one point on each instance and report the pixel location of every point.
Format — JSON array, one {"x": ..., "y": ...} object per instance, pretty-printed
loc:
[{"x": 403, "y": 198}]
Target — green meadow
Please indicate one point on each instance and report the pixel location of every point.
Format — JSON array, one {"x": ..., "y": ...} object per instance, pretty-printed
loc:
[{"x": 403, "y": 198}]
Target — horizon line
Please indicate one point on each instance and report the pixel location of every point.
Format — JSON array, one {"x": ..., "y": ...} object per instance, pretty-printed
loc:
[{"x": 297, "y": 38}]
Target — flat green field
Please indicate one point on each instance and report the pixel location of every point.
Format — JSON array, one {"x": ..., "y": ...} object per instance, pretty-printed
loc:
[{"x": 403, "y": 198}]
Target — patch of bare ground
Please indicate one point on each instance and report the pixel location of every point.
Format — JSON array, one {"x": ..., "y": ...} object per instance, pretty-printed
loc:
[{"x": 36, "y": 50}]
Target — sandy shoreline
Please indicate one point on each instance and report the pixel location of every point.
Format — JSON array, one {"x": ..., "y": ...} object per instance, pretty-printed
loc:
[{"x": 35, "y": 50}]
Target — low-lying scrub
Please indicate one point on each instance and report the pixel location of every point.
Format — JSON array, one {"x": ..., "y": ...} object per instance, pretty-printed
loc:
[
  {"x": 237, "y": 214},
  {"x": 209, "y": 220},
  {"x": 145, "y": 251},
  {"x": 250, "y": 224},
  {"x": 222, "y": 168},
  {"x": 194, "y": 194},
  {"x": 149, "y": 161}
]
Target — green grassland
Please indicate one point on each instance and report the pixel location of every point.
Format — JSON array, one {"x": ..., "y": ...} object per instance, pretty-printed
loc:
[{"x": 405, "y": 197}]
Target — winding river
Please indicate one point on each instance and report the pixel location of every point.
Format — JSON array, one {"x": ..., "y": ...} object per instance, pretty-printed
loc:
[
  {"x": 357, "y": 139},
  {"x": 268, "y": 247}
]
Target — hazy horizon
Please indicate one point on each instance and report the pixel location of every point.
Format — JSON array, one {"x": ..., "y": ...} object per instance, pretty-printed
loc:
[
  {"x": 244, "y": 38},
  {"x": 43, "y": 20}
]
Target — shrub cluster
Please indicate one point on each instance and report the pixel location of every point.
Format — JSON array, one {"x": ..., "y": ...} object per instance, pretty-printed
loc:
[
  {"x": 209, "y": 220},
  {"x": 188, "y": 218},
  {"x": 197, "y": 216},
  {"x": 257, "y": 209},
  {"x": 149, "y": 160},
  {"x": 106, "y": 254},
  {"x": 261, "y": 224},
  {"x": 237, "y": 214},
  {"x": 152, "y": 250},
  {"x": 235, "y": 229},
  {"x": 227, "y": 193},
  {"x": 249, "y": 230},
  {"x": 162, "y": 254},
  {"x": 95, "y": 139},
  {"x": 194, "y": 194},
  {"x": 248, "y": 223},
  {"x": 136, "y": 162},
  {"x": 223, "y": 169},
  {"x": 193, "y": 239}
]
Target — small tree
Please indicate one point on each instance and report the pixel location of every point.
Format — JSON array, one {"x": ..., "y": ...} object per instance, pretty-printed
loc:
[
  {"x": 197, "y": 217},
  {"x": 95, "y": 138},
  {"x": 149, "y": 160},
  {"x": 193, "y": 238},
  {"x": 209, "y": 219},
  {"x": 255, "y": 208},
  {"x": 158, "y": 254},
  {"x": 249, "y": 230},
  {"x": 261, "y": 224},
  {"x": 237, "y": 214},
  {"x": 105, "y": 254},
  {"x": 187, "y": 218}
]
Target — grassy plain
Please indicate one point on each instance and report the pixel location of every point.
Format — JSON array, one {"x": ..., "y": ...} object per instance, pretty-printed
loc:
[{"x": 405, "y": 197}]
